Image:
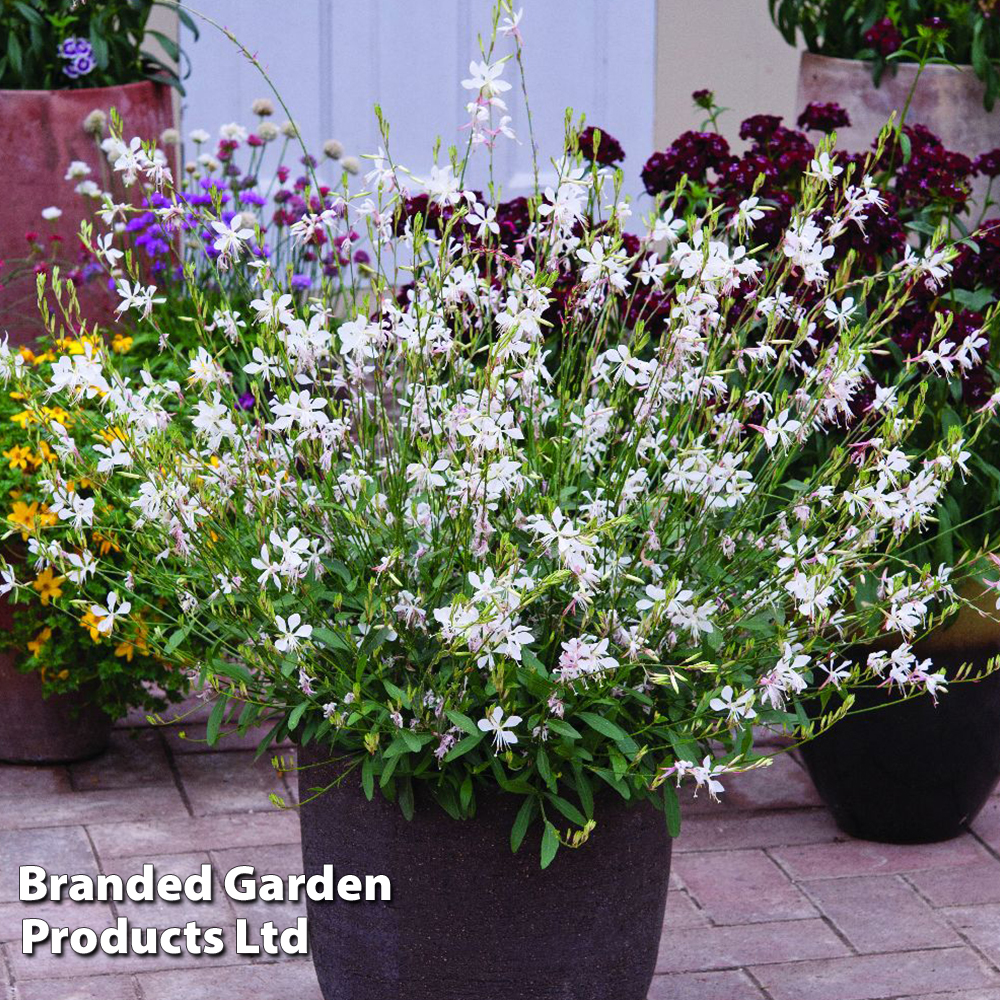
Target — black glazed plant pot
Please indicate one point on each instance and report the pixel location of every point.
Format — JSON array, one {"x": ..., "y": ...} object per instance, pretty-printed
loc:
[
  {"x": 470, "y": 919},
  {"x": 913, "y": 772}
]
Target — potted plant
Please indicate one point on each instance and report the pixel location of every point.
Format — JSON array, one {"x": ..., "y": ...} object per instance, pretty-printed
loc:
[
  {"x": 65, "y": 65},
  {"x": 64, "y": 678},
  {"x": 935, "y": 64},
  {"x": 940, "y": 345},
  {"x": 517, "y": 595}
]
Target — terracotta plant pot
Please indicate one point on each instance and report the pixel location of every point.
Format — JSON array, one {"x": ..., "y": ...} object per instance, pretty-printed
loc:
[
  {"x": 916, "y": 772},
  {"x": 948, "y": 100},
  {"x": 470, "y": 919},
  {"x": 41, "y": 132},
  {"x": 38, "y": 730}
]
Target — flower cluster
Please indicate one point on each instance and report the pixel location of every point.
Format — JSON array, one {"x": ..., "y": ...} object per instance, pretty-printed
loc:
[
  {"x": 62, "y": 537},
  {"x": 78, "y": 57},
  {"x": 526, "y": 520}
]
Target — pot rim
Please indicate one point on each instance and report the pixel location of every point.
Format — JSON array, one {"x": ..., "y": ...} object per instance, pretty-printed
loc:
[
  {"x": 84, "y": 91},
  {"x": 959, "y": 69}
]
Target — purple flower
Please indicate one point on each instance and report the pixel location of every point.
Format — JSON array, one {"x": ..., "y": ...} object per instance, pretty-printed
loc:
[
  {"x": 79, "y": 57},
  {"x": 246, "y": 401},
  {"x": 301, "y": 282}
]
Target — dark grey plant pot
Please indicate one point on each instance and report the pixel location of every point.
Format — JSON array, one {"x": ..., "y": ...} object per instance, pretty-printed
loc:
[
  {"x": 470, "y": 919},
  {"x": 38, "y": 730}
]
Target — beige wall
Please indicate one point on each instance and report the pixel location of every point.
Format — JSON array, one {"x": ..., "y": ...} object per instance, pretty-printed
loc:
[{"x": 728, "y": 46}]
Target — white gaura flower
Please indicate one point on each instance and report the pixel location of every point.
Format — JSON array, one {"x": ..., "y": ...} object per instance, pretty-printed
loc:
[
  {"x": 501, "y": 729},
  {"x": 840, "y": 315},
  {"x": 485, "y": 219},
  {"x": 292, "y": 633},
  {"x": 824, "y": 168},
  {"x": 8, "y": 581},
  {"x": 108, "y": 615},
  {"x": 485, "y": 77},
  {"x": 51, "y": 213},
  {"x": 136, "y": 297},
  {"x": 736, "y": 708},
  {"x": 230, "y": 241}
]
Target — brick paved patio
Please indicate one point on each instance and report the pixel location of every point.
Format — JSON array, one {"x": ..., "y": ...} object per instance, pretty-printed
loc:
[{"x": 766, "y": 900}]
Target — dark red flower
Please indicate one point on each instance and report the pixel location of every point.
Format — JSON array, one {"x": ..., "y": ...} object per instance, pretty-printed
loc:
[
  {"x": 760, "y": 128},
  {"x": 884, "y": 37},
  {"x": 609, "y": 150},
  {"x": 820, "y": 117}
]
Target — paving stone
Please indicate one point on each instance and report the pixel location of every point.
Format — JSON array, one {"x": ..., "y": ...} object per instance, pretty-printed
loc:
[
  {"x": 59, "y": 850},
  {"x": 782, "y": 785},
  {"x": 963, "y": 886},
  {"x": 741, "y": 887},
  {"x": 91, "y": 988},
  {"x": 184, "y": 738},
  {"x": 990, "y": 994},
  {"x": 261, "y": 982},
  {"x": 721, "y": 831},
  {"x": 859, "y": 908},
  {"x": 159, "y": 913},
  {"x": 135, "y": 757},
  {"x": 875, "y": 977},
  {"x": 93, "y": 807},
  {"x": 17, "y": 780},
  {"x": 682, "y": 912},
  {"x": 62, "y": 914},
  {"x": 198, "y": 833},
  {"x": 863, "y": 857},
  {"x": 980, "y": 924},
  {"x": 191, "y": 709},
  {"x": 229, "y": 782},
  {"x": 728, "y": 985},
  {"x": 704, "y": 948},
  {"x": 987, "y": 824}
]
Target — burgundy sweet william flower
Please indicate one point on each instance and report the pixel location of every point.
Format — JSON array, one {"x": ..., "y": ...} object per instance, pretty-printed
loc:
[
  {"x": 760, "y": 128},
  {"x": 703, "y": 99},
  {"x": 693, "y": 154},
  {"x": 884, "y": 37},
  {"x": 609, "y": 150},
  {"x": 989, "y": 164},
  {"x": 824, "y": 117}
]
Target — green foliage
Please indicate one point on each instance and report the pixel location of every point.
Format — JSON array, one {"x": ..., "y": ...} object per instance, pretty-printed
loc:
[{"x": 116, "y": 30}]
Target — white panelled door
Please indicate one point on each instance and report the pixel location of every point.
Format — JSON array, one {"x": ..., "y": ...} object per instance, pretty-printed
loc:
[{"x": 332, "y": 60}]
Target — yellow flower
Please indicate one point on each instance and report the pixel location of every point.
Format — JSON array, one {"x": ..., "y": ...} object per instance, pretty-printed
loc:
[
  {"x": 110, "y": 433},
  {"x": 24, "y": 515},
  {"x": 90, "y": 621},
  {"x": 121, "y": 344},
  {"x": 105, "y": 544},
  {"x": 43, "y": 357},
  {"x": 24, "y": 418},
  {"x": 20, "y": 455},
  {"x": 45, "y": 453},
  {"x": 28, "y": 354},
  {"x": 47, "y": 585},
  {"x": 43, "y": 637}
]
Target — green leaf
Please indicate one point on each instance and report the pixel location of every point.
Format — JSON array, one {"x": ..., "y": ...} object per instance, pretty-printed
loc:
[
  {"x": 542, "y": 763},
  {"x": 415, "y": 740},
  {"x": 169, "y": 45},
  {"x": 176, "y": 638},
  {"x": 564, "y": 729},
  {"x": 583, "y": 789},
  {"x": 521, "y": 823},
  {"x": 463, "y": 747},
  {"x": 567, "y": 809},
  {"x": 215, "y": 721},
  {"x": 671, "y": 809},
  {"x": 368, "y": 778},
  {"x": 296, "y": 715},
  {"x": 550, "y": 844},
  {"x": 604, "y": 726},
  {"x": 406, "y": 798},
  {"x": 463, "y": 722}
]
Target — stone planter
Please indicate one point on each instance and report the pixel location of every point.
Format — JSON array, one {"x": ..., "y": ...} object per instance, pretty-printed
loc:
[
  {"x": 948, "y": 100},
  {"x": 914, "y": 772},
  {"x": 41, "y": 131},
  {"x": 470, "y": 919},
  {"x": 37, "y": 730}
]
